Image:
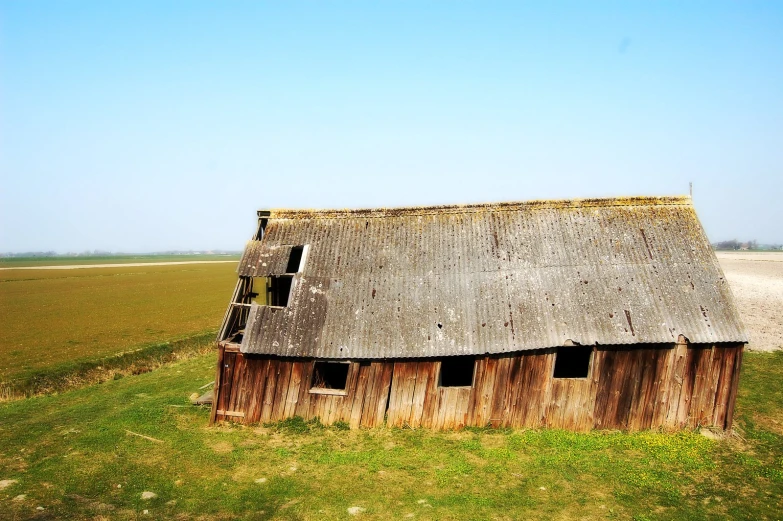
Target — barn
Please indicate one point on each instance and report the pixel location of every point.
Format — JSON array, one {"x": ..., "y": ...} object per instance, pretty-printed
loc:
[{"x": 575, "y": 314}]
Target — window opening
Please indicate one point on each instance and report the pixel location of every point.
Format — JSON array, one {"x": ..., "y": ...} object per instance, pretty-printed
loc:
[
  {"x": 295, "y": 260},
  {"x": 573, "y": 362},
  {"x": 279, "y": 290},
  {"x": 330, "y": 375},
  {"x": 457, "y": 371}
]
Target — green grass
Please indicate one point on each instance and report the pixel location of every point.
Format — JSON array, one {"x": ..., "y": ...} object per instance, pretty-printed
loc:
[
  {"x": 20, "y": 262},
  {"x": 57, "y": 318},
  {"x": 71, "y": 455}
]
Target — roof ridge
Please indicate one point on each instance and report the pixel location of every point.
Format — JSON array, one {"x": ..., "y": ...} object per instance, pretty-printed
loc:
[{"x": 283, "y": 213}]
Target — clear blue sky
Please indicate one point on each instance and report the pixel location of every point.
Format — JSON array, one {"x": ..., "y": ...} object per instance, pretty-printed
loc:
[{"x": 141, "y": 126}]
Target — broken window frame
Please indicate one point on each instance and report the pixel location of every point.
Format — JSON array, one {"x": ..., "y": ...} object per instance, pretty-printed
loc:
[
  {"x": 330, "y": 390},
  {"x": 249, "y": 289},
  {"x": 457, "y": 360},
  {"x": 237, "y": 313},
  {"x": 572, "y": 350},
  {"x": 299, "y": 251}
]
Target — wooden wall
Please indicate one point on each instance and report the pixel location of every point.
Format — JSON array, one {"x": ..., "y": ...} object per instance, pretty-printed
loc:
[{"x": 666, "y": 386}]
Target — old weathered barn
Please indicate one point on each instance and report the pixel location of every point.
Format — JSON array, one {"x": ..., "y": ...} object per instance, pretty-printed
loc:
[{"x": 603, "y": 313}]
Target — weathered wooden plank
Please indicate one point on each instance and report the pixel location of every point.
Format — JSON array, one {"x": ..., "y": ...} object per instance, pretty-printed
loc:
[
  {"x": 226, "y": 381},
  {"x": 461, "y": 412},
  {"x": 259, "y": 389},
  {"x": 629, "y": 404},
  {"x": 431, "y": 398},
  {"x": 606, "y": 397},
  {"x": 663, "y": 388},
  {"x": 383, "y": 394},
  {"x": 500, "y": 391},
  {"x": 439, "y": 416},
  {"x": 236, "y": 382},
  {"x": 424, "y": 374},
  {"x": 587, "y": 419},
  {"x": 303, "y": 401},
  {"x": 643, "y": 404},
  {"x": 245, "y": 386},
  {"x": 331, "y": 405},
  {"x": 723, "y": 387},
  {"x": 554, "y": 416},
  {"x": 475, "y": 395},
  {"x": 322, "y": 410},
  {"x": 527, "y": 405},
  {"x": 546, "y": 368},
  {"x": 350, "y": 388},
  {"x": 514, "y": 391},
  {"x": 368, "y": 407},
  {"x": 359, "y": 395},
  {"x": 281, "y": 391},
  {"x": 734, "y": 387},
  {"x": 701, "y": 366},
  {"x": 708, "y": 393},
  {"x": 294, "y": 384},
  {"x": 406, "y": 395},
  {"x": 269, "y": 391},
  {"x": 394, "y": 411},
  {"x": 676, "y": 384},
  {"x": 486, "y": 392}
]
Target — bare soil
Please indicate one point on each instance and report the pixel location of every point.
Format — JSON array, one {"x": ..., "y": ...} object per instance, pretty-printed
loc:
[{"x": 756, "y": 280}]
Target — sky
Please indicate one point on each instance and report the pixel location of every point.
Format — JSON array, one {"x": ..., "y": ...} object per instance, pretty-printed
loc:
[{"x": 148, "y": 126}]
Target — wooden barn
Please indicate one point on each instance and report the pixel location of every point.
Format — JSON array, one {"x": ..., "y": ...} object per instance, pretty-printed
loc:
[{"x": 580, "y": 314}]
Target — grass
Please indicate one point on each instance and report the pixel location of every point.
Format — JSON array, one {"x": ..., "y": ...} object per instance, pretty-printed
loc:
[
  {"x": 72, "y": 456},
  {"x": 20, "y": 262},
  {"x": 70, "y": 375},
  {"x": 53, "y": 319},
  {"x": 94, "y": 337}
]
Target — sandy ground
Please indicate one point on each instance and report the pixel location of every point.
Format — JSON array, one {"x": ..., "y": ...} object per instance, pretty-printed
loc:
[
  {"x": 756, "y": 279},
  {"x": 122, "y": 265}
]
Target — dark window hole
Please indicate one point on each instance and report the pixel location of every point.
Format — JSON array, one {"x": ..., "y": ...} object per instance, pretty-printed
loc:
[
  {"x": 330, "y": 375},
  {"x": 457, "y": 371},
  {"x": 295, "y": 260},
  {"x": 572, "y": 362}
]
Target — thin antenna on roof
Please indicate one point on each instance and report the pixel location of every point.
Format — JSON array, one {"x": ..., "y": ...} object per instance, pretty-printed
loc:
[{"x": 690, "y": 189}]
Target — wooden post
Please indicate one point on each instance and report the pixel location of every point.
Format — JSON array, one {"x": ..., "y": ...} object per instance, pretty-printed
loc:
[{"x": 218, "y": 381}]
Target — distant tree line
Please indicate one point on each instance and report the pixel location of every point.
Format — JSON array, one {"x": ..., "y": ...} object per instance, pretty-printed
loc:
[{"x": 734, "y": 245}]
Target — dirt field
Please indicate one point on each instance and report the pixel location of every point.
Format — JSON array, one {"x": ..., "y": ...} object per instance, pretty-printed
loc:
[{"x": 757, "y": 282}]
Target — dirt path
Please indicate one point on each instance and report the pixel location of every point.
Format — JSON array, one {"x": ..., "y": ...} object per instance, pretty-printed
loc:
[
  {"x": 120, "y": 265},
  {"x": 756, "y": 280}
]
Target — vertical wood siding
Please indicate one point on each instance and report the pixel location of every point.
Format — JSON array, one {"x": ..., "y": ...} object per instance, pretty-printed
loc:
[{"x": 664, "y": 386}]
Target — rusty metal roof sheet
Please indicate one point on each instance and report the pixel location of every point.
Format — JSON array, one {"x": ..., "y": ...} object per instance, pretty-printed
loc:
[{"x": 451, "y": 280}]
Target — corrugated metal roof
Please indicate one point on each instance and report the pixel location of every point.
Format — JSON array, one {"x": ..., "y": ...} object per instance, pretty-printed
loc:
[
  {"x": 436, "y": 281},
  {"x": 261, "y": 259}
]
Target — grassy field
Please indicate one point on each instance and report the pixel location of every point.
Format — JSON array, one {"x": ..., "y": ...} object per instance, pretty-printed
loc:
[
  {"x": 20, "y": 262},
  {"x": 53, "y": 319},
  {"x": 74, "y": 455}
]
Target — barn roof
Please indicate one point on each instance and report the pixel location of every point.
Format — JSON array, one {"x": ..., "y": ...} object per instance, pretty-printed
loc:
[{"x": 490, "y": 278}]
